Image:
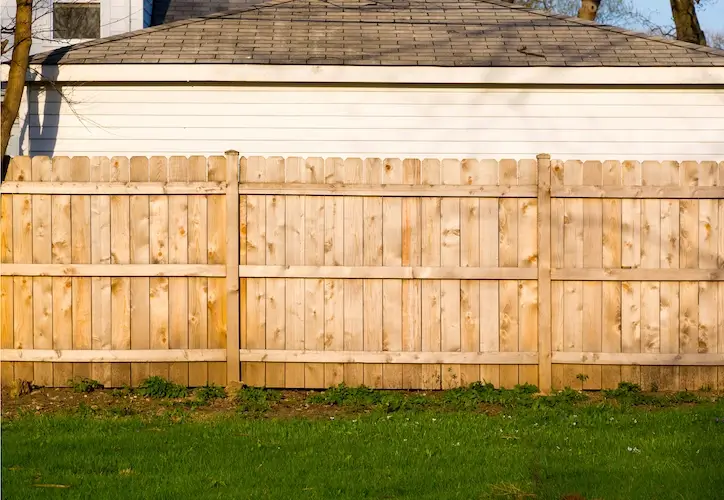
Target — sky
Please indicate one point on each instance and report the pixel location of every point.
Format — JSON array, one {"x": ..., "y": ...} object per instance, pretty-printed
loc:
[{"x": 711, "y": 16}]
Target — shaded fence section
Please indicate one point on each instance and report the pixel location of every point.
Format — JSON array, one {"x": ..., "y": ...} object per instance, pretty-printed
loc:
[{"x": 389, "y": 273}]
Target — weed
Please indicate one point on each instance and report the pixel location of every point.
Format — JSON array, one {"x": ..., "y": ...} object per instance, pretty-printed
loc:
[
  {"x": 685, "y": 397},
  {"x": 566, "y": 397},
  {"x": 126, "y": 390},
  {"x": 654, "y": 387},
  {"x": 122, "y": 411},
  {"x": 479, "y": 393},
  {"x": 255, "y": 400},
  {"x": 364, "y": 397},
  {"x": 83, "y": 384},
  {"x": 208, "y": 393},
  {"x": 582, "y": 377},
  {"x": 705, "y": 388},
  {"x": 158, "y": 387}
]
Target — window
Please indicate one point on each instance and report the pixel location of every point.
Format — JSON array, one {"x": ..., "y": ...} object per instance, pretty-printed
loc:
[{"x": 76, "y": 20}]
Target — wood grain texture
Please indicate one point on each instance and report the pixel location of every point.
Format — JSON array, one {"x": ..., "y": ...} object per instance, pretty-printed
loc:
[
  {"x": 159, "y": 292},
  {"x": 708, "y": 259},
  {"x": 544, "y": 273},
  {"x": 140, "y": 253},
  {"x": 450, "y": 320},
  {"x": 255, "y": 373},
  {"x": 295, "y": 289},
  {"x": 373, "y": 251},
  {"x": 631, "y": 258},
  {"x": 470, "y": 257},
  {"x": 61, "y": 243},
  {"x": 197, "y": 253},
  {"x": 120, "y": 286},
  {"x": 314, "y": 288},
  {"x": 7, "y": 295},
  {"x": 689, "y": 290},
  {"x": 42, "y": 287},
  {"x": 353, "y": 216},
  {"x": 333, "y": 288},
  {"x": 592, "y": 291},
  {"x": 508, "y": 251},
  {"x": 178, "y": 288},
  {"x": 411, "y": 289},
  {"x": 611, "y": 292},
  {"x": 392, "y": 289},
  {"x": 430, "y": 217},
  {"x": 216, "y": 250},
  {"x": 489, "y": 257}
]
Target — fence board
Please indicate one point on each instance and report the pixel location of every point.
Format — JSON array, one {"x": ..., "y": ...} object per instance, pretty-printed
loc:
[
  {"x": 295, "y": 313},
  {"x": 353, "y": 217},
  {"x": 333, "y": 288},
  {"x": 255, "y": 373},
  {"x": 314, "y": 288},
  {"x": 140, "y": 254},
  {"x": 216, "y": 248},
  {"x": 611, "y": 291},
  {"x": 62, "y": 287},
  {"x": 430, "y": 320},
  {"x": 178, "y": 254},
  {"x": 392, "y": 289},
  {"x": 7, "y": 295}
]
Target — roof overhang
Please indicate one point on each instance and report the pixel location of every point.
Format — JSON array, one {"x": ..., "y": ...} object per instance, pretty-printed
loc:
[{"x": 253, "y": 73}]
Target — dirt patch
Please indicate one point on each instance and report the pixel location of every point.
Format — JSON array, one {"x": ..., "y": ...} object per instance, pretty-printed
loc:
[{"x": 291, "y": 404}]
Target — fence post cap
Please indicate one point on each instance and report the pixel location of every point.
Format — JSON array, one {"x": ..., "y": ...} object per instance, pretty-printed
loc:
[
  {"x": 543, "y": 156},
  {"x": 231, "y": 152}
]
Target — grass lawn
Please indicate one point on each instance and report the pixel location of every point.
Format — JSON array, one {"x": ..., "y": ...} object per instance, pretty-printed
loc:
[{"x": 590, "y": 450}]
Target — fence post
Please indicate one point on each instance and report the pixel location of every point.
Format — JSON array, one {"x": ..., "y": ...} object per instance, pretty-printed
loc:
[
  {"x": 233, "y": 332},
  {"x": 544, "y": 272}
]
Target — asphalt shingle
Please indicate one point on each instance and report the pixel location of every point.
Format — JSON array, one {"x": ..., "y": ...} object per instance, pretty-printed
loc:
[{"x": 380, "y": 32}]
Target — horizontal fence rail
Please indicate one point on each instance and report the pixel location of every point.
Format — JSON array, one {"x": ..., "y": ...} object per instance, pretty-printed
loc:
[{"x": 418, "y": 274}]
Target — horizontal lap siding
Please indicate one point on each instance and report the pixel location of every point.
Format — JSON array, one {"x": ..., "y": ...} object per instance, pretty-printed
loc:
[{"x": 367, "y": 122}]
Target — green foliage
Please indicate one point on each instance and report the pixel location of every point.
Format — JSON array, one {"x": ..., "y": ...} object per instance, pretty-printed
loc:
[
  {"x": 685, "y": 397},
  {"x": 209, "y": 393},
  {"x": 256, "y": 400},
  {"x": 363, "y": 397},
  {"x": 83, "y": 384},
  {"x": 125, "y": 390},
  {"x": 566, "y": 397},
  {"x": 629, "y": 394},
  {"x": 582, "y": 377},
  {"x": 158, "y": 387},
  {"x": 479, "y": 393}
]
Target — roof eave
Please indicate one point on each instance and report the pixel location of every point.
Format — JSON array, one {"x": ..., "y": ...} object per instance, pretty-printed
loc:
[{"x": 329, "y": 74}]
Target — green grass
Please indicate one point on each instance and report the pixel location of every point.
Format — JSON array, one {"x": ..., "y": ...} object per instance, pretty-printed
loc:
[{"x": 600, "y": 450}]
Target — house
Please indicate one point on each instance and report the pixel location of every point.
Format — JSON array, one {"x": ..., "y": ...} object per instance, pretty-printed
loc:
[
  {"x": 383, "y": 78},
  {"x": 59, "y": 23}
]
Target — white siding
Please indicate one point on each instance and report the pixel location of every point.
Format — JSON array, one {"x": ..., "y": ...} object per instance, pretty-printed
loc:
[{"x": 584, "y": 124}]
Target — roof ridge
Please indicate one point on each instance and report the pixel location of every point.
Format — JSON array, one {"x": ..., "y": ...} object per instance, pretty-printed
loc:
[{"x": 607, "y": 27}]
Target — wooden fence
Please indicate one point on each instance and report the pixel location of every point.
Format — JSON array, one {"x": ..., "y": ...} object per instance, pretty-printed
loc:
[{"x": 389, "y": 273}]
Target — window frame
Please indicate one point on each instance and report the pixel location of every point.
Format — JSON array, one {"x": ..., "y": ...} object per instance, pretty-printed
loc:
[{"x": 72, "y": 2}]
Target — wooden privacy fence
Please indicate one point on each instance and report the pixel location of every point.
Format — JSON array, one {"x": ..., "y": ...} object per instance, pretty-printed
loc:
[{"x": 389, "y": 273}]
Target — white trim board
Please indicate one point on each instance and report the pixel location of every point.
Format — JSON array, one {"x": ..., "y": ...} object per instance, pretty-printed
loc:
[{"x": 240, "y": 73}]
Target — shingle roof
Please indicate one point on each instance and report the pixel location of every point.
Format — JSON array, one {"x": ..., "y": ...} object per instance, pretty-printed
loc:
[{"x": 388, "y": 33}]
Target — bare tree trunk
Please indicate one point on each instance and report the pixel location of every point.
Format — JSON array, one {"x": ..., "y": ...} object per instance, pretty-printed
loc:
[
  {"x": 687, "y": 24},
  {"x": 18, "y": 69},
  {"x": 589, "y": 9}
]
